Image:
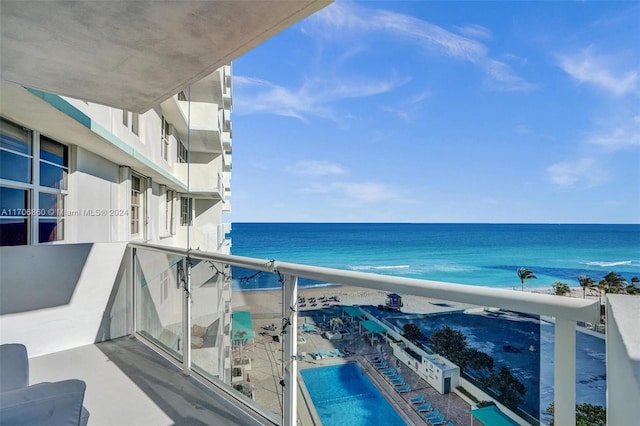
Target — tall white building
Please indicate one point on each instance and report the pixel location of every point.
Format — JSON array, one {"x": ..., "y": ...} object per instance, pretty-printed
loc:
[{"x": 75, "y": 171}]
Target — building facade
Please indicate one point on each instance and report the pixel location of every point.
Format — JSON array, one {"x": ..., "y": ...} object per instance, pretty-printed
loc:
[
  {"x": 135, "y": 183},
  {"x": 79, "y": 174}
]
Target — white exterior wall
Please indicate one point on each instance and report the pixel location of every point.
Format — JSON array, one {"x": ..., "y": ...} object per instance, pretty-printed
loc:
[
  {"x": 623, "y": 359},
  {"x": 103, "y": 154},
  {"x": 58, "y": 297}
]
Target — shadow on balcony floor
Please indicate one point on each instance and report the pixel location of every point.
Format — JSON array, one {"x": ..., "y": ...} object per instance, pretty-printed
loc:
[{"x": 129, "y": 384}]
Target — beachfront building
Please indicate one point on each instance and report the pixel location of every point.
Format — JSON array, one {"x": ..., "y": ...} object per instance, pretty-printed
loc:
[{"x": 116, "y": 154}]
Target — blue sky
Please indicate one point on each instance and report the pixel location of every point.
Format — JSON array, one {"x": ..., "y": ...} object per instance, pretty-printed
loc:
[{"x": 499, "y": 112}]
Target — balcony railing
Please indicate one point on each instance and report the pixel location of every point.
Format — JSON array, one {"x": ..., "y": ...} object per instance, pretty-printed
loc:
[{"x": 178, "y": 312}]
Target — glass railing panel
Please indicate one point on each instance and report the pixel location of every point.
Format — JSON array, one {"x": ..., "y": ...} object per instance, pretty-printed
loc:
[
  {"x": 211, "y": 319},
  {"x": 159, "y": 298},
  {"x": 236, "y": 323},
  {"x": 425, "y": 341}
]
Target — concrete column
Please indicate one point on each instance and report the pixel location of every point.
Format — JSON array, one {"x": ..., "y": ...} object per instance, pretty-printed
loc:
[
  {"x": 565, "y": 372},
  {"x": 186, "y": 318},
  {"x": 290, "y": 355}
]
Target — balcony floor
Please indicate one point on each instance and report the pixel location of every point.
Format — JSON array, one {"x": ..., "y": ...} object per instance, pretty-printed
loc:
[{"x": 129, "y": 384}]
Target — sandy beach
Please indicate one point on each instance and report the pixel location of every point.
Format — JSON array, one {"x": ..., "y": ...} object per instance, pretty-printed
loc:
[{"x": 269, "y": 302}]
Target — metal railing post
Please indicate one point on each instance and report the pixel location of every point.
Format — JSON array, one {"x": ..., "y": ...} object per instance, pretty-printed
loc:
[
  {"x": 186, "y": 319},
  {"x": 134, "y": 292},
  {"x": 565, "y": 372},
  {"x": 290, "y": 356}
]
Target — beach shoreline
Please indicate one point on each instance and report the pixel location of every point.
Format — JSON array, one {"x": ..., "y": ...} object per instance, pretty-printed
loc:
[{"x": 269, "y": 301}]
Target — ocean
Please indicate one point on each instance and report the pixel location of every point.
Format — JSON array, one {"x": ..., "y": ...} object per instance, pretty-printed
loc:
[{"x": 478, "y": 254}]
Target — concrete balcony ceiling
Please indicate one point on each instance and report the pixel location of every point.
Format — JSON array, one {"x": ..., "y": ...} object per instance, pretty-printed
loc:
[{"x": 132, "y": 55}]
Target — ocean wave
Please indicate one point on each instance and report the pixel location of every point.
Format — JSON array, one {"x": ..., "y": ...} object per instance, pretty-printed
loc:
[
  {"x": 609, "y": 264},
  {"x": 380, "y": 267}
]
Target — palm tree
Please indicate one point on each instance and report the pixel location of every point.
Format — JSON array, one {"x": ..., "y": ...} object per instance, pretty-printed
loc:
[
  {"x": 335, "y": 323},
  {"x": 525, "y": 274},
  {"x": 633, "y": 287},
  {"x": 560, "y": 288},
  {"x": 585, "y": 282},
  {"x": 612, "y": 283}
]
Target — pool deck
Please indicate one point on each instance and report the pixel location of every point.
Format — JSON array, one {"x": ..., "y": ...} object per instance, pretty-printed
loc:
[{"x": 266, "y": 369}]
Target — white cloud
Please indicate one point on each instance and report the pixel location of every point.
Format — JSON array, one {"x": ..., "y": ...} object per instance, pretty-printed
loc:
[
  {"x": 522, "y": 129},
  {"x": 317, "y": 168},
  {"x": 475, "y": 31},
  {"x": 626, "y": 135},
  {"x": 359, "y": 193},
  {"x": 410, "y": 108},
  {"x": 581, "y": 171},
  {"x": 368, "y": 192},
  {"x": 342, "y": 18},
  {"x": 586, "y": 67},
  {"x": 313, "y": 98}
]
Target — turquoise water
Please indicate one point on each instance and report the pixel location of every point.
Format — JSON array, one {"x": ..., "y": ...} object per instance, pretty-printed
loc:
[
  {"x": 478, "y": 254},
  {"x": 343, "y": 395}
]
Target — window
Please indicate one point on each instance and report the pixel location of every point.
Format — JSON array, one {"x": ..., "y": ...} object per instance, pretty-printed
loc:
[
  {"x": 14, "y": 222},
  {"x": 132, "y": 124},
  {"x": 137, "y": 205},
  {"x": 186, "y": 204},
  {"x": 166, "y": 132},
  {"x": 164, "y": 286},
  {"x": 182, "y": 152},
  {"x": 34, "y": 169},
  {"x": 135, "y": 123},
  {"x": 169, "y": 212},
  {"x": 53, "y": 164},
  {"x": 15, "y": 152}
]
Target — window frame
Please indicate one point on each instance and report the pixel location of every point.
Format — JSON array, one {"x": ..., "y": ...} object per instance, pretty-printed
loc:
[{"x": 35, "y": 189}]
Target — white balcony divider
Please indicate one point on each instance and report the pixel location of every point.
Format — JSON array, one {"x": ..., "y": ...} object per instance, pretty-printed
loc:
[{"x": 566, "y": 311}]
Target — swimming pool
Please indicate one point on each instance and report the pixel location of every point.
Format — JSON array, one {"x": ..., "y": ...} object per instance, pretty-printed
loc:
[{"x": 343, "y": 395}]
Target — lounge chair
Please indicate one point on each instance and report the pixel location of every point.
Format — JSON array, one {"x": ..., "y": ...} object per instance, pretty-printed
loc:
[
  {"x": 404, "y": 389},
  {"x": 449, "y": 424},
  {"x": 418, "y": 399},
  {"x": 425, "y": 408},
  {"x": 437, "y": 421},
  {"x": 303, "y": 356},
  {"x": 390, "y": 372},
  {"x": 337, "y": 351},
  {"x": 398, "y": 381},
  {"x": 376, "y": 360},
  {"x": 315, "y": 355},
  {"x": 381, "y": 366},
  {"x": 331, "y": 354},
  {"x": 323, "y": 354},
  {"x": 432, "y": 415}
]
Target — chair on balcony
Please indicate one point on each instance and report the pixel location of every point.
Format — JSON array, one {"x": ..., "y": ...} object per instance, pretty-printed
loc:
[
  {"x": 58, "y": 403},
  {"x": 198, "y": 334}
]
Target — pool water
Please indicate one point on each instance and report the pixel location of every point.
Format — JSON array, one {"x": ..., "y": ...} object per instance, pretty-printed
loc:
[{"x": 343, "y": 395}]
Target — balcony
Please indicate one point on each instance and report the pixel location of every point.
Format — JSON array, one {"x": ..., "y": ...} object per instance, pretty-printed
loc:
[
  {"x": 226, "y": 141},
  {"x": 142, "y": 288},
  {"x": 204, "y": 182},
  {"x": 204, "y": 123},
  {"x": 227, "y": 160}
]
